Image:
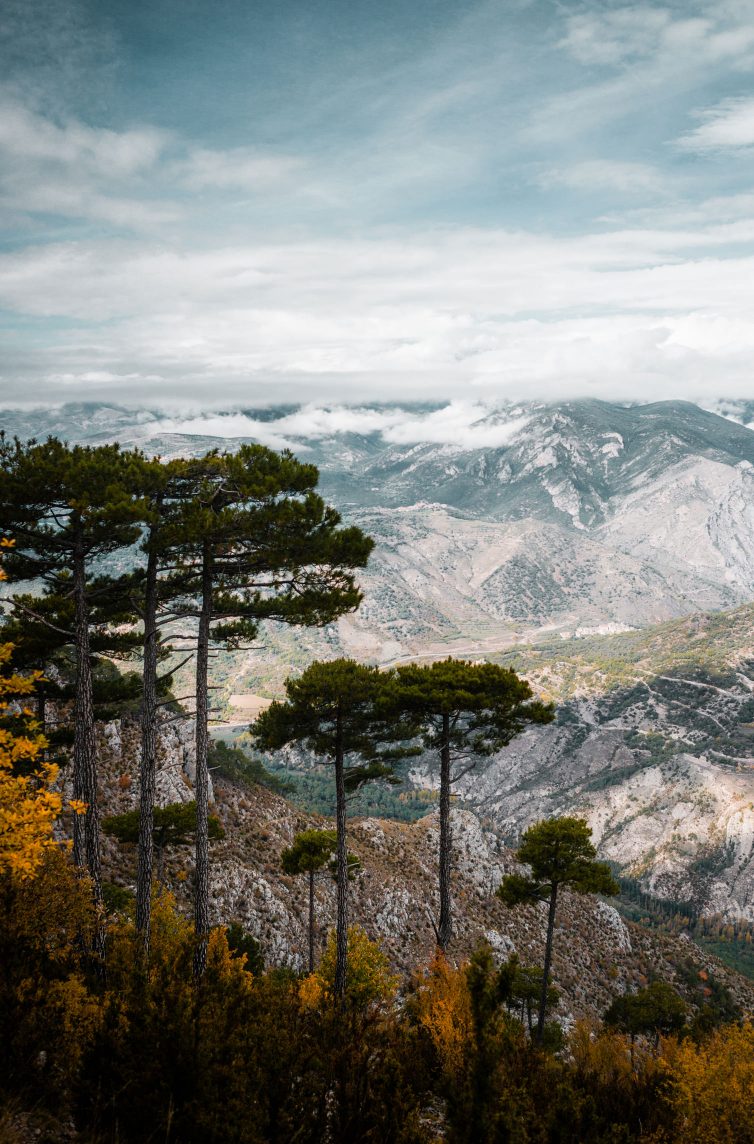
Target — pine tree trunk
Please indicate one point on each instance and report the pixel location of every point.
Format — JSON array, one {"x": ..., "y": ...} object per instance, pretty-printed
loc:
[
  {"x": 201, "y": 885},
  {"x": 41, "y": 698},
  {"x": 86, "y": 837},
  {"x": 341, "y": 925},
  {"x": 311, "y": 921},
  {"x": 86, "y": 841},
  {"x": 148, "y": 763},
  {"x": 548, "y": 959},
  {"x": 445, "y": 926}
]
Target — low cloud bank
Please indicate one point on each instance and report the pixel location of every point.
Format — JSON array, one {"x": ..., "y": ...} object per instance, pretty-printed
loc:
[{"x": 466, "y": 424}]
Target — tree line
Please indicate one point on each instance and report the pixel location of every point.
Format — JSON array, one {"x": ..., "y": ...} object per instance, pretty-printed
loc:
[{"x": 120, "y": 553}]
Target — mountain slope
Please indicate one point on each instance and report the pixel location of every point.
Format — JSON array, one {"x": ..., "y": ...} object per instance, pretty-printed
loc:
[
  {"x": 653, "y": 744},
  {"x": 597, "y": 956},
  {"x": 591, "y": 515}
]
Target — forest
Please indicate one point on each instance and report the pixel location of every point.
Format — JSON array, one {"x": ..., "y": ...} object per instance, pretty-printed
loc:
[{"x": 126, "y": 1020}]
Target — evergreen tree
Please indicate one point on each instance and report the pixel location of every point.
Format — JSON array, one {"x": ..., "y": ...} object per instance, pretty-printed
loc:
[
  {"x": 559, "y": 853},
  {"x": 255, "y": 542},
  {"x": 526, "y": 992},
  {"x": 333, "y": 710},
  {"x": 67, "y": 509},
  {"x": 653, "y": 1011},
  {"x": 153, "y": 589},
  {"x": 172, "y": 825},
  {"x": 310, "y": 852},
  {"x": 463, "y": 711}
]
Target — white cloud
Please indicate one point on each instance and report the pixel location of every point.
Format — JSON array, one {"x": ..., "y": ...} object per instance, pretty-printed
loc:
[
  {"x": 237, "y": 168},
  {"x": 76, "y": 171},
  {"x": 227, "y": 426},
  {"x": 463, "y": 424},
  {"x": 29, "y": 136},
  {"x": 637, "y": 33},
  {"x": 640, "y": 62},
  {"x": 729, "y": 125},
  {"x": 610, "y": 37},
  {"x": 608, "y": 174},
  {"x": 507, "y": 314}
]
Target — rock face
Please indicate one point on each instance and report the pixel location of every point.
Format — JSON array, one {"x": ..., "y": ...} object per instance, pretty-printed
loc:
[
  {"x": 683, "y": 826},
  {"x": 118, "y": 745},
  {"x": 596, "y": 954},
  {"x": 653, "y": 745}
]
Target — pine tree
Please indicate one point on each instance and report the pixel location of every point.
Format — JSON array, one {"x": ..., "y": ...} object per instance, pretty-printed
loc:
[
  {"x": 67, "y": 509},
  {"x": 333, "y": 710},
  {"x": 255, "y": 543},
  {"x": 153, "y": 589},
  {"x": 172, "y": 825},
  {"x": 310, "y": 852},
  {"x": 463, "y": 711},
  {"x": 560, "y": 853}
]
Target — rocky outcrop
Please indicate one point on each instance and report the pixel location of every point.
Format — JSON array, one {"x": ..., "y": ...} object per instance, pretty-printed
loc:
[
  {"x": 596, "y": 954},
  {"x": 663, "y": 772}
]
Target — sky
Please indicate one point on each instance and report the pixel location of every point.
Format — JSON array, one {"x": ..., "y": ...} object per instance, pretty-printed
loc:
[{"x": 214, "y": 206}]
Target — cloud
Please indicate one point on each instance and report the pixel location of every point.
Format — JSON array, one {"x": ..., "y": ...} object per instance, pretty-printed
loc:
[
  {"x": 227, "y": 426},
  {"x": 608, "y": 174},
  {"x": 425, "y": 317},
  {"x": 237, "y": 168},
  {"x": 611, "y": 37},
  {"x": 625, "y": 35},
  {"x": 76, "y": 171},
  {"x": 460, "y": 424},
  {"x": 728, "y": 126},
  {"x": 467, "y": 425},
  {"x": 639, "y": 63},
  {"x": 100, "y": 151}
]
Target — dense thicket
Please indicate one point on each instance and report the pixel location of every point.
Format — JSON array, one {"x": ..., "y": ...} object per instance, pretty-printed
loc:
[{"x": 269, "y": 1058}]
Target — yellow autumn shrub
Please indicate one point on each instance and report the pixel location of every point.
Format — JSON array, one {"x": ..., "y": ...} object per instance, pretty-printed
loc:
[
  {"x": 368, "y": 979},
  {"x": 713, "y": 1090},
  {"x": 443, "y": 1009},
  {"x": 29, "y": 804}
]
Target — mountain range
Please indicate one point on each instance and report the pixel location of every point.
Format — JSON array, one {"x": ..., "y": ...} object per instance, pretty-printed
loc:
[
  {"x": 592, "y": 516},
  {"x": 606, "y": 551}
]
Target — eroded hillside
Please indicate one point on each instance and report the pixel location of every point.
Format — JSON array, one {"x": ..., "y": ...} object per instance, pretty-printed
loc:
[{"x": 597, "y": 955}]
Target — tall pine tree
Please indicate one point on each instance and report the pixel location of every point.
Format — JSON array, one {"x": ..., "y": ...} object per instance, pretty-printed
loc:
[
  {"x": 333, "y": 709},
  {"x": 560, "y": 853},
  {"x": 68, "y": 509},
  {"x": 255, "y": 542},
  {"x": 463, "y": 711}
]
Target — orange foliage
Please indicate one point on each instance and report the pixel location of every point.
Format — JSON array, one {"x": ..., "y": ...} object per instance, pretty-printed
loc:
[
  {"x": 443, "y": 1008},
  {"x": 28, "y": 803},
  {"x": 368, "y": 980},
  {"x": 713, "y": 1091}
]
